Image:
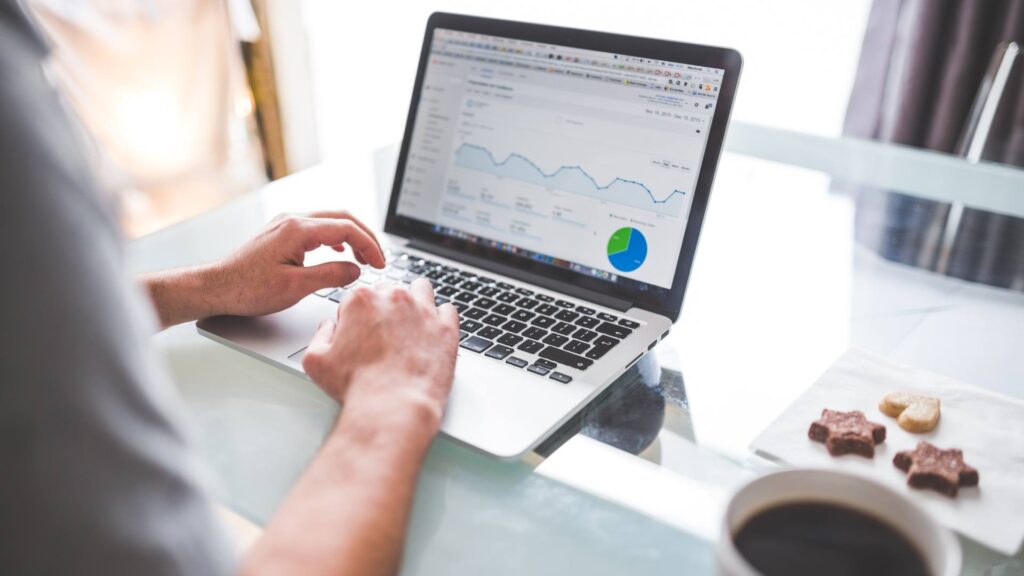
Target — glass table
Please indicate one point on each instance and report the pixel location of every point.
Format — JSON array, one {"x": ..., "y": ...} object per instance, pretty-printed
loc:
[{"x": 638, "y": 481}]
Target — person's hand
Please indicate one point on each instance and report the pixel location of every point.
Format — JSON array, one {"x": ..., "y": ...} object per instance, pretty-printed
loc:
[
  {"x": 267, "y": 274},
  {"x": 390, "y": 359},
  {"x": 390, "y": 354}
]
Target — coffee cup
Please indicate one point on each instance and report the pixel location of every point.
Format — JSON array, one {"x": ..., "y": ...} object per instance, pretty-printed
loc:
[{"x": 804, "y": 520}]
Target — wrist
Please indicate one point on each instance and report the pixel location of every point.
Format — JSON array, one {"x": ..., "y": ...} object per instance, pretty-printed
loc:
[
  {"x": 210, "y": 289},
  {"x": 183, "y": 294},
  {"x": 387, "y": 408}
]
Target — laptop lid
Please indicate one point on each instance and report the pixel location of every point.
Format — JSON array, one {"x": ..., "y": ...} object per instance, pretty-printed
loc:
[{"x": 580, "y": 160}]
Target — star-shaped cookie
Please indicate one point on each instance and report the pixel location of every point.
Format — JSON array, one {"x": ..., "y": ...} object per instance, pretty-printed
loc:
[
  {"x": 929, "y": 466},
  {"x": 847, "y": 433}
]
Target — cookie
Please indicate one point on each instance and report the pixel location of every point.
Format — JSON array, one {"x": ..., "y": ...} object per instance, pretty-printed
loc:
[
  {"x": 929, "y": 466},
  {"x": 913, "y": 412},
  {"x": 847, "y": 433}
]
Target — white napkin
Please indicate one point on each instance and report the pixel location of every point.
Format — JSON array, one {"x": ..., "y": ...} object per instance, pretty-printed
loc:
[{"x": 988, "y": 427}]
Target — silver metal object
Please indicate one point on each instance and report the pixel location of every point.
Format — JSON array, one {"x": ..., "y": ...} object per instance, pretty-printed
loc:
[{"x": 975, "y": 135}]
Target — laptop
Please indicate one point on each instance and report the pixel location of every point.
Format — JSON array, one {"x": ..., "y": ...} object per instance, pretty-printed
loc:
[{"x": 551, "y": 184}]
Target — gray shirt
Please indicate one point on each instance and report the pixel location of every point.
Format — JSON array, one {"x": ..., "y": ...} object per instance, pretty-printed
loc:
[{"x": 95, "y": 474}]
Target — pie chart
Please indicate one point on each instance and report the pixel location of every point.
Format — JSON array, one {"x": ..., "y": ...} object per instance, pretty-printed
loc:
[{"x": 627, "y": 249}]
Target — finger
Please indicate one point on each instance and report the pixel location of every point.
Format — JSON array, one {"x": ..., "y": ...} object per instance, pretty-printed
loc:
[
  {"x": 329, "y": 274},
  {"x": 334, "y": 232},
  {"x": 344, "y": 215},
  {"x": 330, "y": 232},
  {"x": 354, "y": 307},
  {"x": 319, "y": 345},
  {"x": 449, "y": 314},
  {"x": 338, "y": 248},
  {"x": 423, "y": 292}
]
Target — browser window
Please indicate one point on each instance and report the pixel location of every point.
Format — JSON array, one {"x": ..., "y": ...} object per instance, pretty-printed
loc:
[{"x": 581, "y": 159}]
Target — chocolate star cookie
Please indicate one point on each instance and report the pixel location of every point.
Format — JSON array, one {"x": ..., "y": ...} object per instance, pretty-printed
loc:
[
  {"x": 847, "y": 433},
  {"x": 929, "y": 466}
]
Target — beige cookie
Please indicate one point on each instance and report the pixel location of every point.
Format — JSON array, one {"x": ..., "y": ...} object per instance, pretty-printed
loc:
[{"x": 913, "y": 412}]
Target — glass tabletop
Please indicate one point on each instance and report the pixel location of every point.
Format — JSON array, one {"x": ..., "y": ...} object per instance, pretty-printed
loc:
[
  {"x": 805, "y": 254},
  {"x": 796, "y": 265},
  {"x": 781, "y": 286}
]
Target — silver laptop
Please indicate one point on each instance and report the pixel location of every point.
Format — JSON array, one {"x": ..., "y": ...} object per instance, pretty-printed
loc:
[{"x": 551, "y": 184}]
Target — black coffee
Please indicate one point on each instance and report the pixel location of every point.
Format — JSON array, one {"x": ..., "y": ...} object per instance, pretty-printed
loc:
[{"x": 819, "y": 539}]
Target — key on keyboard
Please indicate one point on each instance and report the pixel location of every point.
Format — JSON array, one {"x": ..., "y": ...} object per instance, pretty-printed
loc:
[
  {"x": 584, "y": 334},
  {"x": 510, "y": 339},
  {"x": 567, "y": 315},
  {"x": 470, "y": 325},
  {"x": 503, "y": 309},
  {"x": 530, "y": 346},
  {"x": 563, "y": 328},
  {"x": 523, "y": 315},
  {"x": 465, "y": 296},
  {"x": 615, "y": 330},
  {"x": 513, "y": 326},
  {"x": 566, "y": 358},
  {"x": 559, "y": 377},
  {"x": 499, "y": 352},
  {"x": 489, "y": 332},
  {"x": 555, "y": 339},
  {"x": 545, "y": 364},
  {"x": 542, "y": 321},
  {"x": 535, "y": 333},
  {"x": 576, "y": 347},
  {"x": 484, "y": 303},
  {"x": 494, "y": 320},
  {"x": 476, "y": 344},
  {"x": 547, "y": 309}
]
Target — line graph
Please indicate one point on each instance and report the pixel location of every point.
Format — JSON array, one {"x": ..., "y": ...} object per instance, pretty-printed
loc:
[{"x": 569, "y": 178}]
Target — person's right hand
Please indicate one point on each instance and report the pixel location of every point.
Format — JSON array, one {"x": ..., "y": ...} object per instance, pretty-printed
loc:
[{"x": 390, "y": 354}]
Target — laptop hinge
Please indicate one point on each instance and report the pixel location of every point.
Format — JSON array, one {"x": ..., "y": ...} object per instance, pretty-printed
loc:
[{"x": 605, "y": 300}]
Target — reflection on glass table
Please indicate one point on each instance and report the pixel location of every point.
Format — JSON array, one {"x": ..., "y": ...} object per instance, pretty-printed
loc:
[{"x": 631, "y": 413}]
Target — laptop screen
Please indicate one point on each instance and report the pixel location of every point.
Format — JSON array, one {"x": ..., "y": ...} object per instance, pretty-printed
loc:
[{"x": 579, "y": 159}]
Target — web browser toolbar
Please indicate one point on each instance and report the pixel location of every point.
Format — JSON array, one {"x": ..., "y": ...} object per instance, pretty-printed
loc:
[{"x": 619, "y": 68}]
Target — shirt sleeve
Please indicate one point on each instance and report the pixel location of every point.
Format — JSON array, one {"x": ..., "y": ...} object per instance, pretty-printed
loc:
[{"x": 96, "y": 476}]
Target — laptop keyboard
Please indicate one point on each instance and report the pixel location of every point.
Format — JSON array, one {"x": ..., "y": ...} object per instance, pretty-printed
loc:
[{"x": 516, "y": 325}]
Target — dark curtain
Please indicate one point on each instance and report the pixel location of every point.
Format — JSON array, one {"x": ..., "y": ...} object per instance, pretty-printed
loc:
[{"x": 920, "y": 69}]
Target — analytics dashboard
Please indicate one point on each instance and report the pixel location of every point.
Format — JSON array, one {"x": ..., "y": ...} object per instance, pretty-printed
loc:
[{"x": 581, "y": 159}]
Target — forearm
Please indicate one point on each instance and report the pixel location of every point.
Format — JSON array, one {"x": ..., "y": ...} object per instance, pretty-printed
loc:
[
  {"x": 182, "y": 294},
  {"x": 348, "y": 512}
]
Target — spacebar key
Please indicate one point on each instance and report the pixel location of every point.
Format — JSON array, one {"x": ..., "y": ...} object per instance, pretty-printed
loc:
[{"x": 565, "y": 358}]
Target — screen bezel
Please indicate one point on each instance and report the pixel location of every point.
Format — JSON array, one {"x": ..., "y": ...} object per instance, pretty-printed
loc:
[{"x": 649, "y": 297}]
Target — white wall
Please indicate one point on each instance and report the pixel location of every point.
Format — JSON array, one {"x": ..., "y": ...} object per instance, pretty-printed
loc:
[{"x": 799, "y": 56}]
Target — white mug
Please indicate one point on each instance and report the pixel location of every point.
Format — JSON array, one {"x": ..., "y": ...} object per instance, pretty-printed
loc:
[{"x": 941, "y": 550}]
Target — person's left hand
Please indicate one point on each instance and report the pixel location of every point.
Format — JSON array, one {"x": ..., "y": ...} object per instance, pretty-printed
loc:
[{"x": 267, "y": 274}]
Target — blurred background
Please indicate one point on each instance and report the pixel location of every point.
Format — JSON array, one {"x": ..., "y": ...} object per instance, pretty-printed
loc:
[{"x": 194, "y": 102}]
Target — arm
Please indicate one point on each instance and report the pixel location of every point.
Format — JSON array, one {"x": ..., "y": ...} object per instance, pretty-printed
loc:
[
  {"x": 267, "y": 274},
  {"x": 390, "y": 359}
]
